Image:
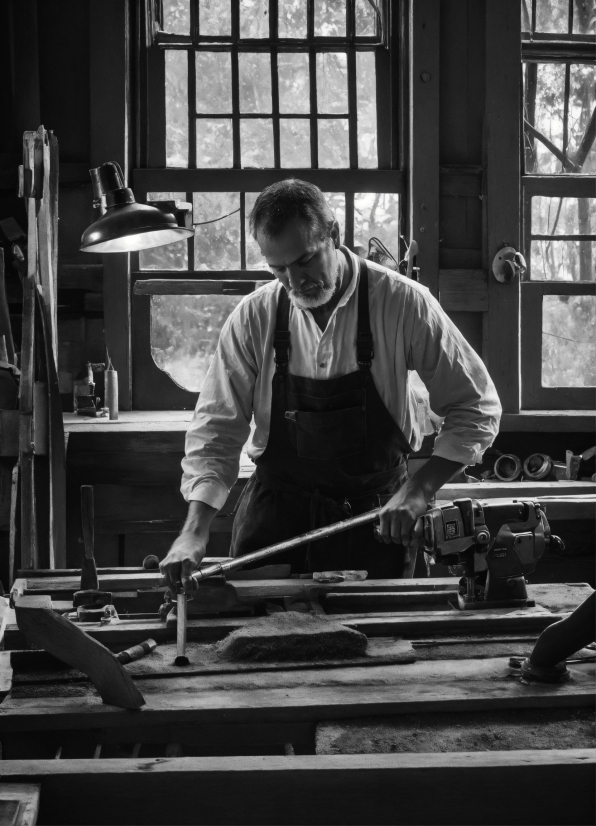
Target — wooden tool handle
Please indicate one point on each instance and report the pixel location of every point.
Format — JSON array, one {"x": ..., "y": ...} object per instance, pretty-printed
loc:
[{"x": 87, "y": 516}]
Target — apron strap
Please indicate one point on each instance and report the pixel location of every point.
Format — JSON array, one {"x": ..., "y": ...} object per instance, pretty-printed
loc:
[
  {"x": 365, "y": 350},
  {"x": 281, "y": 337}
]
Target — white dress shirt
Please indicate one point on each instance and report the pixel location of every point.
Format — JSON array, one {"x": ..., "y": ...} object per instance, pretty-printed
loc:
[{"x": 410, "y": 332}]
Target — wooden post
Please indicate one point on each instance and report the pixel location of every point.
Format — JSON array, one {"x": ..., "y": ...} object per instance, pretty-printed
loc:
[
  {"x": 503, "y": 79},
  {"x": 424, "y": 138},
  {"x": 110, "y": 117}
]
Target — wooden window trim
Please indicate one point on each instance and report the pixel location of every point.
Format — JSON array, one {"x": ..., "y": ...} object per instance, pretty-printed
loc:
[{"x": 566, "y": 49}]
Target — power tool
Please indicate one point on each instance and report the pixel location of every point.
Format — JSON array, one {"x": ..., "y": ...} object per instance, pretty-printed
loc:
[{"x": 494, "y": 544}]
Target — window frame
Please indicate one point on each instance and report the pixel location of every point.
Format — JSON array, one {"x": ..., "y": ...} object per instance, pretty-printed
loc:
[
  {"x": 567, "y": 49},
  {"x": 152, "y": 388}
]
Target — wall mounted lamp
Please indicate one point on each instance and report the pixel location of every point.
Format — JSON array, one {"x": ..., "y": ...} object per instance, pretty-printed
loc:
[{"x": 124, "y": 225}]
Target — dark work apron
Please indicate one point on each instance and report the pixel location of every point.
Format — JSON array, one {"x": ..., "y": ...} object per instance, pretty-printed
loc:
[{"x": 334, "y": 451}]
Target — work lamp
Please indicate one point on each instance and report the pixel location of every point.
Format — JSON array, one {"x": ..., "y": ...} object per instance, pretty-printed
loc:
[{"x": 124, "y": 225}]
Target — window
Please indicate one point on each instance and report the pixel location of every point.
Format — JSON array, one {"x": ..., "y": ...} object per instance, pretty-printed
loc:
[
  {"x": 239, "y": 95},
  {"x": 558, "y": 303}
]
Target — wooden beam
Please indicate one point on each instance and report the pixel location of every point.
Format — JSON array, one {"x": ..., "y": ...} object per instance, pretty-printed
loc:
[
  {"x": 424, "y": 139},
  {"x": 503, "y": 73},
  {"x": 254, "y": 180},
  {"x": 110, "y": 118},
  {"x": 508, "y": 787}
]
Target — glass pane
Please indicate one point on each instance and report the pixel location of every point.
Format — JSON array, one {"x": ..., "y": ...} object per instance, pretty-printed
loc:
[
  {"x": 552, "y": 16},
  {"x": 562, "y": 260},
  {"x": 214, "y": 83},
  {"x": 337, "y": 205},
  {"x": 582, "y": 101},
  {"x": 254, "y": 18},
  {"x": 293, "y": 80},
  {"x": 176, "y": 16},
  {"x": 332, "y": 83},
  {"x": 176, "y": 108},
  {"x": 254, "y": 259},
  {"x": 256, "y": 141},
  {"x": 171, "y": 256},
  {"x": 584, "y": 18},
  {"x": 563, "y": 216},
  {"x": 215, "y": 18},
  {"x": 366, "y": 20},
  {"x": 214, "y": 143},
  {"x": 366, "y": 95},
  {"x": 548, "y": 117},
  {"x": 292, "y": 18},
  {"x": 294, "y": 139},
  {"x": 216, "y": 216},
  {"x": 377, "y": 213},
  {"x": 184, "y": 334},
  {"x": 255, "y": 82},
  {"x": 334, "y": 150},
  {"x": 330, "y": 18},
  {"x": 569, "y": 341}
]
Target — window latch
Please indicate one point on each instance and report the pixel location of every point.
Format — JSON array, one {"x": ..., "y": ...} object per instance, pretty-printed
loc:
[{"x": 508, "y": 263}]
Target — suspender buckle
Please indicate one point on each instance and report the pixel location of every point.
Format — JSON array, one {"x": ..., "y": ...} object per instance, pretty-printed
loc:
[
  {"x": 281, "y": 347},
  {"x": 365, "y": 350}
]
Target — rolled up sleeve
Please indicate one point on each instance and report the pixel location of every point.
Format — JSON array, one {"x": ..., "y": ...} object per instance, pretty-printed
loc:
[
  {"x": 221, "y": 423},
  {"x": 459, "y": 387}
]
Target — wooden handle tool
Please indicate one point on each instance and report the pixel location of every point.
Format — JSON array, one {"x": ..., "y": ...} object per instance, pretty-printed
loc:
[{"x": 89, "y": 578}]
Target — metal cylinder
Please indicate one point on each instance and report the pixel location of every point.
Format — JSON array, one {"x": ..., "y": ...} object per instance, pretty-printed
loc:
[
  {"x": 538, "y": 466},
  {"x": 180, "y": 625},
  {"x": 136, "y": 652},
  {"x": 508, "y": 467},
  {"x": 111, "y": 393}
]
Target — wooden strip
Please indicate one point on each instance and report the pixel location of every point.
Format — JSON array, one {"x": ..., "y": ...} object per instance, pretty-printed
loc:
[
  {"x": 346, "y": 789},
  {"x": 547, "y": 421},
  {"x": 503, "y": 56},
  {"x": 249, "y": 180},
  {"x": 424, "y": 138},
  {"x": 559, "y": 186},
  {"x": 185, "y": 286},
  {"x": 308, "y": 695}
]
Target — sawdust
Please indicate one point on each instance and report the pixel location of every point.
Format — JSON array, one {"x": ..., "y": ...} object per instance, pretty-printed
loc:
[
  {"x": 293, "y": 636},
  {"x": 506, "y": 730}
]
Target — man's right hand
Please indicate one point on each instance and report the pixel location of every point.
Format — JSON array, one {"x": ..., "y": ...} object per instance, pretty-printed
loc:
[{"x": 189, "y": 549}]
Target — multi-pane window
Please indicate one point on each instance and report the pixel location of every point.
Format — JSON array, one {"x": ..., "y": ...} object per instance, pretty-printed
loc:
[
  {"x": 242, "y": 93},
  {"x": 559, "y": 203}
]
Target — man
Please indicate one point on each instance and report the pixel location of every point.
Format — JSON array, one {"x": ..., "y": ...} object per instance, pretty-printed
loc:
[{"x": 320, "y": 359}]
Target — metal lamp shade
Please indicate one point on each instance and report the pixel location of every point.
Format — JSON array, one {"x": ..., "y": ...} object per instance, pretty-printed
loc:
[{"x": 129, "y": 227}]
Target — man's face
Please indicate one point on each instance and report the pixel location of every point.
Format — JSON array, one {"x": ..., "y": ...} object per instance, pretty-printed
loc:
[{"x": 306, "y": 264}]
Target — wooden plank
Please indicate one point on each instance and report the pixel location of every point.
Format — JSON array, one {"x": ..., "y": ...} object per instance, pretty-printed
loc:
[
  {"x": 516, "y": 490},
  {"x": 546, "y": 421},
  {"x": 503, "y": 61},
  {"x": 308, "y": 695},
  {"x": 424, "y": 138},
  {"x": 19, "y": 803},
  {"x": 331, "y": 789},
  {"x": 81, "y": 276},
  {"x": 467, "y": 301}
]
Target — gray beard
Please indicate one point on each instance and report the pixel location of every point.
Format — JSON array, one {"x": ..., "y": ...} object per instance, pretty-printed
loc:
[{"x": 316, "y": 298}]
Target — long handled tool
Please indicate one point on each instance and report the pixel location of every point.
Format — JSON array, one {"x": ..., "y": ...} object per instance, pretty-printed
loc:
[{"x": 222, "y": 568}]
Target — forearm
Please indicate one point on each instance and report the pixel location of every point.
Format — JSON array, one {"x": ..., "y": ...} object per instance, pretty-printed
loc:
[
  {"x": 432, "y": 476},
  {"x": 199, "y": 518}
]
